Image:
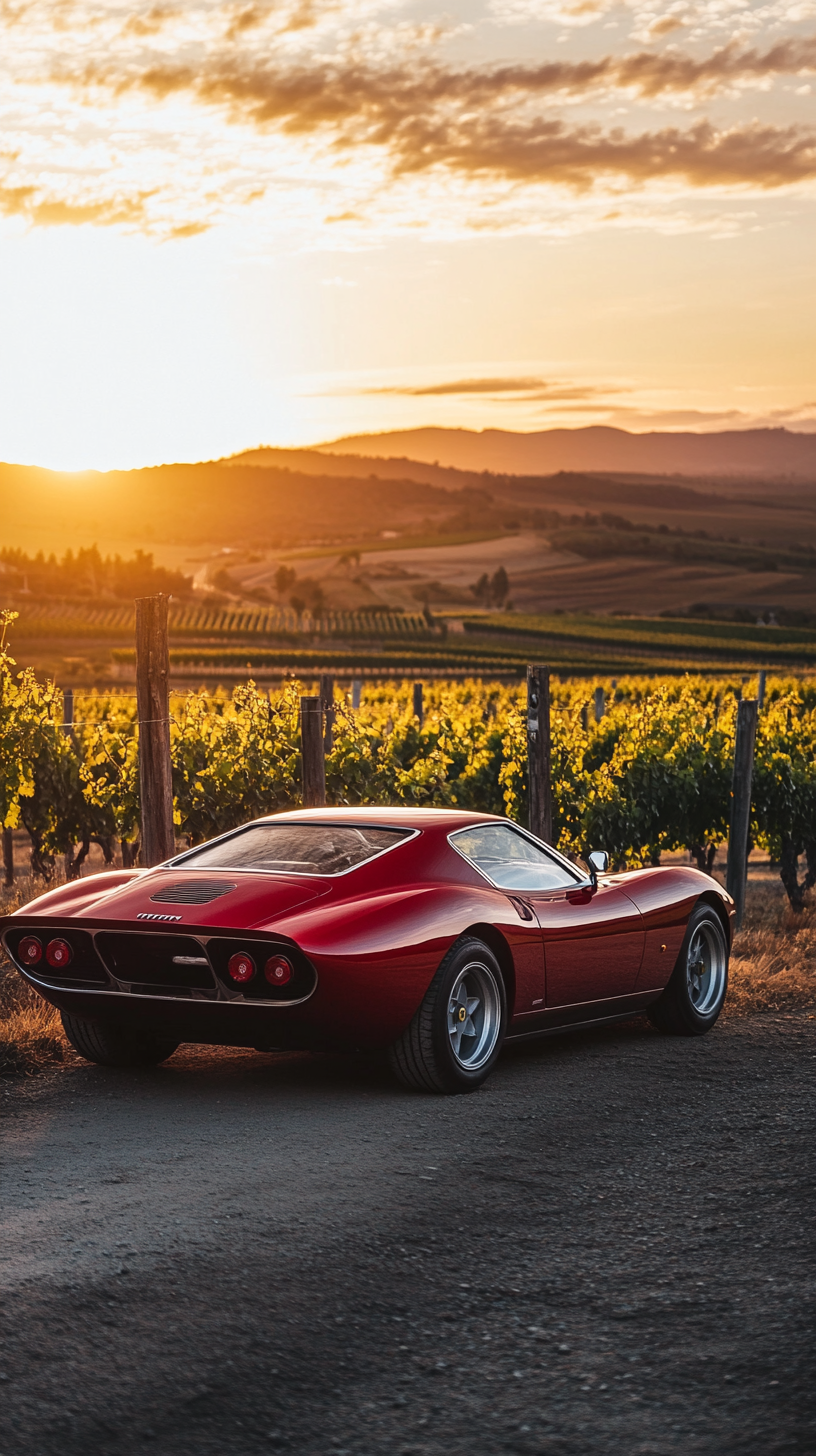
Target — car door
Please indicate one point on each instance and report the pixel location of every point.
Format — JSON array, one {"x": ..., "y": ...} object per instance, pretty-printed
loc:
[
  {"x": 593, "y": 944},
  {"x": 593, "y": 936}
]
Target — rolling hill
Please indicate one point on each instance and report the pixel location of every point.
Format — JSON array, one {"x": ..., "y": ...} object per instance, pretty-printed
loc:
[{"x": 776, "y": 454}]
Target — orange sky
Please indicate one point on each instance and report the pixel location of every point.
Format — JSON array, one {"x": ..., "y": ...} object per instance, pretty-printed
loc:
[{"x": 227, "y": 224}]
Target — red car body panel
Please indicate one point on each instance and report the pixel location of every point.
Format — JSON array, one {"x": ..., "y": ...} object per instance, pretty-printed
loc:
[{"x": 368, "y": 941}]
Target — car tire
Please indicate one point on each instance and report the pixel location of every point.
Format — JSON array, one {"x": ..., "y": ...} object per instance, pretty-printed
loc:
[
  {"x": 693, "y": 998},
  {"x": 116, "y": 1046},
  {"x": 453, "y": 1041}
]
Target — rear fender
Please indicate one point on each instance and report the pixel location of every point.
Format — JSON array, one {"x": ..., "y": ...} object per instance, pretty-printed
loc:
[
  {"x": 376, "y": 955},
  {"x": 78, "y": 895},
  {"x": 501, "y": 950}
]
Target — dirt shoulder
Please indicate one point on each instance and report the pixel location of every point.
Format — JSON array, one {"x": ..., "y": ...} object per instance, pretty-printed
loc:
[{"x": 608, "y": 1249}]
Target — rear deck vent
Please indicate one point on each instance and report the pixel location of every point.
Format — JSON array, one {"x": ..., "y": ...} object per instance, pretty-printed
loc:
[{"x": 191, "y": 893}]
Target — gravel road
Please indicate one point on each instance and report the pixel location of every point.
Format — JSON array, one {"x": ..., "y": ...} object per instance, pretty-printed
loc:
[{"x": 607, "y": 1250}]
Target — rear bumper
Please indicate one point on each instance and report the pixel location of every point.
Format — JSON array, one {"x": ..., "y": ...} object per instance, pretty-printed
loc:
[
  {"x": 358, "y": 1000},
  {"x": 215, "y": 1023}
]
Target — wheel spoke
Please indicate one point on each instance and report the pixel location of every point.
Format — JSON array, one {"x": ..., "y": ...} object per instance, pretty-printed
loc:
[
  {"x": 706, "y": 965},
  {"x": 474, "y": 1015}
]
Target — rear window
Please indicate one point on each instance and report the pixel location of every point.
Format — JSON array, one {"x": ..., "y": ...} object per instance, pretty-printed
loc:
[{"x": 295, "y": 849}]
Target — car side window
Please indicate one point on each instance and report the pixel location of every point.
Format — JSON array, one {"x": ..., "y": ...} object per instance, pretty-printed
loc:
[{"x": 510, "y": 860}]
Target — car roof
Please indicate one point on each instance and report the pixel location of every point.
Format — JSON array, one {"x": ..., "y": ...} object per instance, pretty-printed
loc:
[{"x": 386, "y": 815}]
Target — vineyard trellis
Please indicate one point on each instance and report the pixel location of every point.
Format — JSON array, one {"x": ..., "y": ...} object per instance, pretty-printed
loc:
[
  {"x": 195, "y": 619},
  {"x": 651, "y": 775}
]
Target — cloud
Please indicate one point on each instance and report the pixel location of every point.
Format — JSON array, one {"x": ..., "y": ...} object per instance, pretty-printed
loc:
[
  {"x": 189, "y": 230},
  {"x": 374, "y": 132},
  {"x": 55, "y": 211},
  {"x": 524, "y": 387},
  {"x": 480, "y": 123},
  {"x": 656, "y": 18},
  {"x": 301, "y": 15},
  {"x": 150, "y": 23},
  {"x": 631, "y": 418},
  {"x": 43, "y": 210},
  {"x": 306, "y": 97}
]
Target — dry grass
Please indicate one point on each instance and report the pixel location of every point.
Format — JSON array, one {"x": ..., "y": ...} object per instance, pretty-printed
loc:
[
  {"x": 773, "y": 968},
  {"x": 31, "y": 1038},
  {"x": 31, "y": 1035}
]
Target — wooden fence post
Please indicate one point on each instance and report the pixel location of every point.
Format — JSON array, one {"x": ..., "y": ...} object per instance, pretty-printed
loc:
[
  {"x": 153, "y": 705},
  {"x": 312, "y": 754},
  {"x": 538, "y": 753},
  {"x": 326, "y": 695},
  {"x": 737, "y": 868},
  {"x": 600, "y": 704},
  {"x": 761, "y": 688},
  {"x": 8, "y": 857},
  {"x": 68, "y": 710},
  {"x": 419, "y": 711},
  {"x": 356, "y": 693}
]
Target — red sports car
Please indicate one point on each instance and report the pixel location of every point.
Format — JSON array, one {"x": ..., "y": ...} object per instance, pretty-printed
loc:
[{"x": 433, "y": 933}]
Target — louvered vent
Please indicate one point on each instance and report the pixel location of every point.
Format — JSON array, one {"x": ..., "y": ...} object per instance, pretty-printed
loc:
[{"x": 199, "y": 892}]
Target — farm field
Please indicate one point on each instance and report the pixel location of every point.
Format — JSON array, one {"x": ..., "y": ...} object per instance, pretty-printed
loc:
[
  {"x": 385, "y": 533},
  {"x": 83, "y": 645}
]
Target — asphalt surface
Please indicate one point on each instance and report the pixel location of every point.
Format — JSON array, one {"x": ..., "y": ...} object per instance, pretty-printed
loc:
[{"x": 609, "y": 1249}]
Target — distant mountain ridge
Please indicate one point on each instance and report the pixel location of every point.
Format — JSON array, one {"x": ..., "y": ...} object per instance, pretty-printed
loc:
[{"x": 776, "y": 454}]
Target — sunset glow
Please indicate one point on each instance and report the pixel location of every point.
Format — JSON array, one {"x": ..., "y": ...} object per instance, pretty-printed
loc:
[{"x": 227, "y": 224}]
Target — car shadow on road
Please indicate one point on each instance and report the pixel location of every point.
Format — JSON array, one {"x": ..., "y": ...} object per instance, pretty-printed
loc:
[{"x": 197, "y": 1070}]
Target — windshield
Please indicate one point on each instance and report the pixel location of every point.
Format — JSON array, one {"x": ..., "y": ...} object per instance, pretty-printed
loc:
[{"x": 295, "y": 849}]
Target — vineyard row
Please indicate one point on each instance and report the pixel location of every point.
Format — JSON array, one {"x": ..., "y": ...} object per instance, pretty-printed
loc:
[
  {"x": 76, "y": 619},
  {"x": 650, "y": 775}
]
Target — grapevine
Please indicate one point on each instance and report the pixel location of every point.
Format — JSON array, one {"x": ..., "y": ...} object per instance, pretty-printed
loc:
[{"x": 651, "y": 777}]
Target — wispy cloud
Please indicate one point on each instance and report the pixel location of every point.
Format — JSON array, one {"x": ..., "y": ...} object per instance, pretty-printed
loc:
[
  {"x": 485, "y": 122},
  {"x": 333, "y": 93},
  {"x": 50, "y": 211},
  {"x": 524, "y": 388}
]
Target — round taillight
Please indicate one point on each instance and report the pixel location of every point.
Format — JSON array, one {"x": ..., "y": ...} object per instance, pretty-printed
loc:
[
  {"x": 278, "y": 971},
  {"x": 30, "y": 950},
  {"x": 58, "y": 953},
  {"x": 241, "y": 967}
]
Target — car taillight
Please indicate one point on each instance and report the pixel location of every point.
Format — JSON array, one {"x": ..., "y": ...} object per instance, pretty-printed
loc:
[
  {"x": 241, "y": 967},
  {"x": 58, "y": 953},
  {"x": 278, "y": 971},
  {"x": 30, "y": 950}
]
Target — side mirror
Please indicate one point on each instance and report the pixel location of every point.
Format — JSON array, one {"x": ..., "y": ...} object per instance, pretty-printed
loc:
[{"x": 598, "y": 861}]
